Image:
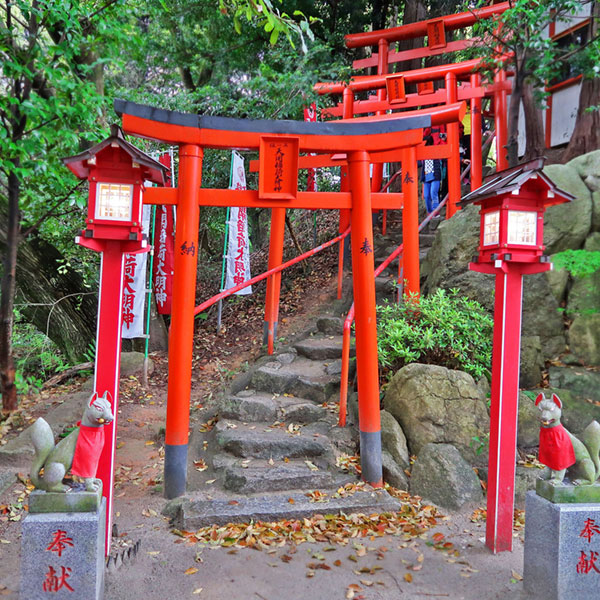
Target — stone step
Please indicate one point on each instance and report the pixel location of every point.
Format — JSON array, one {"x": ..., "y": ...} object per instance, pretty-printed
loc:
[
  {"x": 202, "y": 510},
  {"x": 321, "y": 347},
  {"x": 264, "y": 441},
  {"x": 260, "y": 476},
  {"x": 251, "y": 406},
  {"x": 426, "y": 240},
  {"x": 302, "y": 377}
]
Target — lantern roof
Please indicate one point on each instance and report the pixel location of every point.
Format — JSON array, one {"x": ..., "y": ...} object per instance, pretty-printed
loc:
[
  {"x": 510, "y": 181},
  {"x": 152, "y": 170}
]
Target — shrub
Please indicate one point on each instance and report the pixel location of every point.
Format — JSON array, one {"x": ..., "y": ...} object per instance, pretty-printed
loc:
[{"x": 443, "y": 329}]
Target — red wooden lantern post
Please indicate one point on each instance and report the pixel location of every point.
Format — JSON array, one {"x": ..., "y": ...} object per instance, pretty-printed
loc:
[
  {"x": 116, "y": 172},
  {"x": 512, "y": 208}
]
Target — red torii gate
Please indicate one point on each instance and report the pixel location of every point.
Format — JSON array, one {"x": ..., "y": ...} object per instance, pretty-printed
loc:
[
  {"x": 280, "y": 144},
  {"x": 395, "y": 97},
  {"x": 390, "y": 87}
]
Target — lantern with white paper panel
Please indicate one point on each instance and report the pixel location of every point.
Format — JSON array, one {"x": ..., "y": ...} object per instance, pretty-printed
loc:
[
  {"x": 512, "y": 205},
  {"x": 116, "y": 171}
]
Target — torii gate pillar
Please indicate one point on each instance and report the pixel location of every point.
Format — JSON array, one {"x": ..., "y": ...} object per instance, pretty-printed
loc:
[{"x": 182, "y": 320}]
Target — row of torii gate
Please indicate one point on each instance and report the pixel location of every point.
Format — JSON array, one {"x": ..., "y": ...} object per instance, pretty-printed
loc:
[{"x": 354, "y": 143}]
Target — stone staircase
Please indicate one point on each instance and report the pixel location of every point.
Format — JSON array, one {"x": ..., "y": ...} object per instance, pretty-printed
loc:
[{"x": 276, "y": 440}]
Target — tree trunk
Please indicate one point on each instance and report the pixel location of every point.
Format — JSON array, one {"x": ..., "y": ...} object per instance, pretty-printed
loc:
[
  {"x": 57, "y": 303},
  {"x": 534, "y": 126},
  {"x": 7, "y": 293},
  {"x": 512, "y": 143},
  {"x": 414, "y": 11},
  {"x": 586, "y": 135}
]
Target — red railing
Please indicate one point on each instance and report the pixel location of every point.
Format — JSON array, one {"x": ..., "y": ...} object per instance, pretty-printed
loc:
[{"x": 226, "y": 293}]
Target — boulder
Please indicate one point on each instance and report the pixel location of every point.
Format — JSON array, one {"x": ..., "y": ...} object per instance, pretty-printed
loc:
[
  {"x": 558, "y": 279},
  {"x": 577, "y": 380},
  {"x": 541, "y": 315},
  {"x": 596, "y": 210},
  {"x": 584, "y": 338},
  {"x": 586, "y": 164},
  {"x": 525, "y": 478},
  {"x": 132, "y": 364},
  {"x": 584, "y": 295},
  {"x": 393, "y": 439},
  {"x": 439, "y": 405},
  {"x": 528, "y": 430},
  {"x": 532, "y": 361},
  {"x": 393, "y": 472},
  {"x": 442, "y": 476},
  {"x": 455, "y": 245},
  {"x": 567, "y": 225}
]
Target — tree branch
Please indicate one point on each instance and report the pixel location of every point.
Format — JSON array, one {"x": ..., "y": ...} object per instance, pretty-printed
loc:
[{"x": 51, "y": 210}]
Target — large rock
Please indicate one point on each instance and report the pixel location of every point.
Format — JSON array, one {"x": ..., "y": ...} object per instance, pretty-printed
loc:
[
  {"x": 586, "y": 164},
  {"x": 567, "y": 225},
  {"x": 393, "y": 472},
  {"x": 132, "y": 364},
  {"x": 558, "y": 279},
  {"x": 596, "y": 210},
  {"x": 441, "y": 476},
  {"x": 532, "y": 361},
  {"x": 584, "y": 338},
  {"x": 584, "y": 295},
  {"x": 393, "y": 439},
  {"x": 541, "y": 315},
  {"x": 455, "y": 245},
  {"x": 578, "y": 380},
  {"x": 435, "y": 404}
]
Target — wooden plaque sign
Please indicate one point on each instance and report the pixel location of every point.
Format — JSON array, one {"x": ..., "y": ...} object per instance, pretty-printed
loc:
[
  {"x": 424, "y": 88},
  {"x": 278, "y": 174},
  {"x": 395, "y": 89},
  {"x": 436, "y": 34}
]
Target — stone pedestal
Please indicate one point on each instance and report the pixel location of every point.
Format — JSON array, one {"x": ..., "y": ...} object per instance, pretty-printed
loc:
[
  {"x": 62, "y": 555},
  {"x": 562, "y": 550}
]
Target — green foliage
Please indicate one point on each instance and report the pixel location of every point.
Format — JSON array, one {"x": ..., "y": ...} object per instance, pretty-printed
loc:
[
  {"x": 444, "y": 329},
  {"x": 579, "y": 263},
  {"x": 36, "y": 358},
  {"x": 480, "y": 442}
]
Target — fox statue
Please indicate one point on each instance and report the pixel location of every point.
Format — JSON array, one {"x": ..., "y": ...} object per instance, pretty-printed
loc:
[
  {"x": 79, "y": 451},
  {"x": 562, "y": 452}
]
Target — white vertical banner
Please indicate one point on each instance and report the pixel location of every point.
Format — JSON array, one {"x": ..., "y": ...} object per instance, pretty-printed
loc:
[
  {"x": 238, "y": 255},
  {"x": 134, "y": 287}
]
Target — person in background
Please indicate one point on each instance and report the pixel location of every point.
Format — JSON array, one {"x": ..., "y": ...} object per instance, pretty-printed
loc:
[{"x": 431, "y": 176}]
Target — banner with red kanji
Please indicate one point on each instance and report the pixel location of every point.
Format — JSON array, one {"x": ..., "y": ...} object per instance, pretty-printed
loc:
[
  {"x": 134, "y": 288},
  {"x": 238, "y": 255},
  {"x": 164, "y": 248}
]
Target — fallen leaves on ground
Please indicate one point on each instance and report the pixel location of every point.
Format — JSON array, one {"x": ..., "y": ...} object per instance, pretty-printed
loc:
[
  {"x": 480, "y": 515},
  {"x": 412, "y": 520}
]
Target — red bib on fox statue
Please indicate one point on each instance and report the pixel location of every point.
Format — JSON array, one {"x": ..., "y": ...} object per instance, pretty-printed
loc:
[
  {"x": 87, "y": 451},
  {"x": 90, "y": 440},
  {"x": 556, "y": 448}
]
